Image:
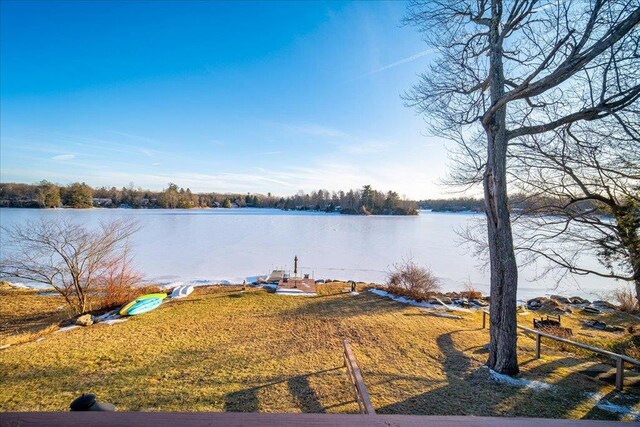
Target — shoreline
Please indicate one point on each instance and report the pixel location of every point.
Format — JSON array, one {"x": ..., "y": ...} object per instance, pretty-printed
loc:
[
  {"x": 44, "y": 290},
  {"x": 449, "y": 286}
]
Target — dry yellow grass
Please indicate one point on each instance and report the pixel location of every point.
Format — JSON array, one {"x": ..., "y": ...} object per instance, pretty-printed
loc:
[
  {"x": 225, "y": 350},
  {"x": 25, "y": 315}
]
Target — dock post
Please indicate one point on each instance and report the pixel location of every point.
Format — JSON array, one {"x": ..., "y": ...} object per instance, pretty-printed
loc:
[{"x": 538, "y": 342}]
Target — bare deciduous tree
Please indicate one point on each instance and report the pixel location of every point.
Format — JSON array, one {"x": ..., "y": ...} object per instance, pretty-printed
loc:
[
  {"x": 512, "y": 69},
  {"x": 584, "y": 181},
  {"x": 67, "y": 256}
]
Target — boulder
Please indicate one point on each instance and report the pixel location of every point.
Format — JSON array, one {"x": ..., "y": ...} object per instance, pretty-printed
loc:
[
  {"x": 478, "y": 302},
  {"x": 596, "y": 324},
  {"x": 591, "y": 310},
  {"x": 536, "y": 303},
  {"x": 605, "y": 304},
  {"x": 560, "y": 299},
  {"x": 84, "y": 320},
  {"x": 563, "y": 310},
  {"x": 578, "y": 300}
]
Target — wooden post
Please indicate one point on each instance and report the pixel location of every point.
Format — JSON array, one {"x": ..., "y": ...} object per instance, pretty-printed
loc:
[
  {"x": 538, "y": 342},
  {"x": 619, "y": 374},
  {"x": 484, "y": 319}
]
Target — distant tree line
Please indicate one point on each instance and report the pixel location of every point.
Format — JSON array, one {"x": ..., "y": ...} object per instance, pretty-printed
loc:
[
  {"x": 519, "y": 203},
  {"x": 364, "y": 201},
  {"x": 460, "y": 204}
]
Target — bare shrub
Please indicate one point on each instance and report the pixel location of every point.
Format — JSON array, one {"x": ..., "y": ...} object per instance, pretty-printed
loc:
[
  {"x": 119, "y": 283},
  {"x": 625, "y": 299},
  {"x": 412, "y": 281},
  {"x": 71, "y": 258},
  {"x": 470, "y": 291}
]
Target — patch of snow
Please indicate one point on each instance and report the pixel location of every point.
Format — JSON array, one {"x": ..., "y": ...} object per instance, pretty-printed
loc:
[
  {"x": 107, "y": 316},
  {"x": 171, "y": 285},
  {"x": 519, "y": 382},
  {"x": 256, "y": 279},
  {"x": 415, "y": 303},
  {"x": 40, "y": 339},
  {"x": 18, "y": 285},
  {"x": 66, "y": 328},
  {"x": 295, "y": 293},
  {"x": 354, "y": 293},
  {"x": 113, "y": 321},
  {"x": 606, "y": 405}
]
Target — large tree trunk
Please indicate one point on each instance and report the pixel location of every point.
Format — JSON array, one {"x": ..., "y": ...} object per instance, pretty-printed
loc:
[{"x": 504, "y": 272}]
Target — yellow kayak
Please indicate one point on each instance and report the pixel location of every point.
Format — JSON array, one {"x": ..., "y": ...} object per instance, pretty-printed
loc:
[{"x": 123, "y": 311}]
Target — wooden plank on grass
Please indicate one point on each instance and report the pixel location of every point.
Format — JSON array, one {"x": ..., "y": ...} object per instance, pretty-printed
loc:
[{"x": 362, "y": 395}]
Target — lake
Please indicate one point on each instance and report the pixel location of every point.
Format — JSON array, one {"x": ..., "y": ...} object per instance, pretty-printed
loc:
[{"x": 203, "y": 246}]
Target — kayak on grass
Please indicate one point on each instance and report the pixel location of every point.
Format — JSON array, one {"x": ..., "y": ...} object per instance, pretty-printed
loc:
[{"x": 142, "y": 304}]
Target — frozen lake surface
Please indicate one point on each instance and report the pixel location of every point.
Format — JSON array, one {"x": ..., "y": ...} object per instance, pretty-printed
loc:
[{"x": 202, "y": 246}]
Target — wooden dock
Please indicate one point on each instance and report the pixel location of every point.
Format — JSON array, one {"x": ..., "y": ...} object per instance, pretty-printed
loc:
[{"x": 296, "y": 285}]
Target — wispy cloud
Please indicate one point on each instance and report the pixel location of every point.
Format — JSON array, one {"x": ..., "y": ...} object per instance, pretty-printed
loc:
[
  {"x": 402, "y": 61},
  {"x": 63, "y": 157}
]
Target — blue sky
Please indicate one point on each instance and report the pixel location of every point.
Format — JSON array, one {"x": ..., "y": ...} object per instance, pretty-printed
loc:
[{"x": 248, "y": 97}]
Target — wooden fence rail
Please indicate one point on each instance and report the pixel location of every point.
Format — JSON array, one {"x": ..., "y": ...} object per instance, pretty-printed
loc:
[
  {"x": 619, "y": 358},
  {"x": 362, "y": 395}
]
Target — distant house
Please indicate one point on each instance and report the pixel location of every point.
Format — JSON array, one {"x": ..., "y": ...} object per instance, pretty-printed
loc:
[
  {"x": 102, "y": 202},
  {"x": 215, "y": 204}
]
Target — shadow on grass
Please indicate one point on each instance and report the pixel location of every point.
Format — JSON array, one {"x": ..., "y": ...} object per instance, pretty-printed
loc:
[
  {"x": 451, "y": 398},
  {"x": 466, "y": 391},
  {"x": 474, "y": 392},
  {"x": 247, "y": 400}
]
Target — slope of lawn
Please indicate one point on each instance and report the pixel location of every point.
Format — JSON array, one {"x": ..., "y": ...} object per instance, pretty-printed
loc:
[{"x": 225, "y": 350}]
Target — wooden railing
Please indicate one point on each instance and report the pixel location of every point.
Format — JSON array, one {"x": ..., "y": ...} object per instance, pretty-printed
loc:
[
  {"x": 619, "y": 358},
  {"x": 361, "y": 393}
]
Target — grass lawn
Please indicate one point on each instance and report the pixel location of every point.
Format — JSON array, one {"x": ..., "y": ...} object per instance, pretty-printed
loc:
[{"x": 224, "y": 350}]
